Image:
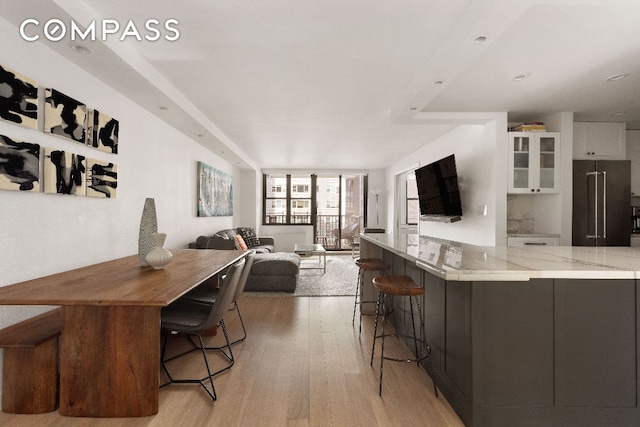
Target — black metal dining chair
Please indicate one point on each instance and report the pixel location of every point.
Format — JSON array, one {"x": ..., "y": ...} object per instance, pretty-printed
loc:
[
  {"x": 208, "y": 295},
  {"x": 191, "y": 318}
]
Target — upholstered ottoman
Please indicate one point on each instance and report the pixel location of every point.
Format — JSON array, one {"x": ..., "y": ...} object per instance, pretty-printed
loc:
[{"x": 275, "y": 272}]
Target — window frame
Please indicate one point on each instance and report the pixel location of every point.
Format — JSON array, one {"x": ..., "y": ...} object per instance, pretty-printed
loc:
[
  {"x": 289, "y": 199},
  {"x": 407, "y": 199},
  {"x": 401, "y": 202}
]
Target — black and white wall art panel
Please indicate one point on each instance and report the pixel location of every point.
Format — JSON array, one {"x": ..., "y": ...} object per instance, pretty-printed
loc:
[
  {"x": 64, "y": 173},
  {"x": 19, "y": 165},
  {"x": 18, "y": 98},
  {"x": 102, "y": 131},
  {"x": 64, "y": 116},
  {"x": 102, "y": 179}
]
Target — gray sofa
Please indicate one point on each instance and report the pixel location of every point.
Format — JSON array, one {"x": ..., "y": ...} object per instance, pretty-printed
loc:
[
  {"x": 275, "y": 272},
  {"x": 225, "y": 240}
]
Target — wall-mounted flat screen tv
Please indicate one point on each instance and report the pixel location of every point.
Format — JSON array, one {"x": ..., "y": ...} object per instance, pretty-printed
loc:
[{"x": 438, "y": 192}]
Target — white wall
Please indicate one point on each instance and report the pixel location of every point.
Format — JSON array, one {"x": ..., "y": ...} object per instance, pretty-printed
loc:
[
  {"x": 481, "y": 161},
  {"x": 633, "y": 154},
  {"x": 376, "y": 182},
  {"x": 250, "y": 198},
  {"x": 41, "y": 234},
  {"x": 287, "y": 236},
  {"x": 561, "y": 213}
]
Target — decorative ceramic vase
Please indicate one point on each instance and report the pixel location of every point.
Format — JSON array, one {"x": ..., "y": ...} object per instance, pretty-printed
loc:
[
  {"x": 148, "y": 226},
  {"x": 159, "y": 256}
]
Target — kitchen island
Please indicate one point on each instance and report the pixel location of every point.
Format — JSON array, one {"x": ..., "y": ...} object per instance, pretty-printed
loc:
[{"x": 535, "y": 336}]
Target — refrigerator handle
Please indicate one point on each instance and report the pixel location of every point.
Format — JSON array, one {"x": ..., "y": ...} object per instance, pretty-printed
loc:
[
  {"x": 595, "y": 205},
  {"x": 604, "y": 204}
]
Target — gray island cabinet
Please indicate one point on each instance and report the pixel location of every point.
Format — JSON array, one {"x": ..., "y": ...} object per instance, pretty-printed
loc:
[{"x": 526, "y": 336}]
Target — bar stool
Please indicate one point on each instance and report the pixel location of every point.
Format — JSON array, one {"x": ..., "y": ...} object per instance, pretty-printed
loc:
[
  {"x": 399, "y": 285},
  {"x": 366, "y": 264}
]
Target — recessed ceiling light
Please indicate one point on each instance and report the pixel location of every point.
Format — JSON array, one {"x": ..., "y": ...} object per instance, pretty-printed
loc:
[
  {"x": 480, "y": 39},
  {"x": 619, "y": 113},
  {"x": 81, "y": 49},
  {"x": 413, "y": 109},
  {"x": 200, "y": 135},
  {"x": 521, "y": 77},
  {"x": 616, "y": 77},
  {"x": 438, "y": 82},
  {"x": 163, "y": 108}
]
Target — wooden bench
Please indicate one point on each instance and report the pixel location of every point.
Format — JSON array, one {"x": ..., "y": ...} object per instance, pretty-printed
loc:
[{"x": 30, "y": 364}]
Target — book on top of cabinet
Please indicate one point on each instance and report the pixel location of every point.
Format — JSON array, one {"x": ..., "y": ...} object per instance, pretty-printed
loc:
[{"x": 530, "y": 127}]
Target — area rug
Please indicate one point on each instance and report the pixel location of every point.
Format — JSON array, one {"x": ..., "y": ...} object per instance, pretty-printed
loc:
[{"x": 340, "y": 278}]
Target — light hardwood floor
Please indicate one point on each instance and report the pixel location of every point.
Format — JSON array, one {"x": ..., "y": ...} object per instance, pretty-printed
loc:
[{"x": 301, "y": 365}]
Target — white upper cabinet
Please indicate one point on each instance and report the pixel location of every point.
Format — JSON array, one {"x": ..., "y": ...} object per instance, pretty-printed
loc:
[
  {"x": 534, "y": 159},
  {"x": 599, "y": 141}
]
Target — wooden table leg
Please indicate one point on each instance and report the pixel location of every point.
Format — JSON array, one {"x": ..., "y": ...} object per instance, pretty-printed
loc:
[{"x": 109, "y": 361}]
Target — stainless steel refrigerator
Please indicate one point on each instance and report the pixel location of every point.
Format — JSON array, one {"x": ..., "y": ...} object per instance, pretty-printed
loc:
[{"x": 601, "y": 202}]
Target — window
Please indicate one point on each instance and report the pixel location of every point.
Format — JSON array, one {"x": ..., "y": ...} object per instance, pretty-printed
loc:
[
  {"x": 300, "y": 204},
  {"x": 331, "y": 204},
  {"x": 332, "y": 189},
  {"x": 278, "y": 204},
  {"x": 275, "y": 199},
  {"x": 287, "y": 199},
  {"x": 300, "y": 189},
  {"x": 413, "y": 207}
]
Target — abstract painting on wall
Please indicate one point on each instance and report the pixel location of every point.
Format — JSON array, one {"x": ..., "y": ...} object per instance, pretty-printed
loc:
[
  {"x": 64, "y": 173},
  {"x": 18, "y": 98},
  {"x": 102, "y": 131},
  {"x": 102, "y": 179},
  {"x": 215, "y": 192},
  {"x": 64, "y": 116},
  {"x": 19, "y": 165}
]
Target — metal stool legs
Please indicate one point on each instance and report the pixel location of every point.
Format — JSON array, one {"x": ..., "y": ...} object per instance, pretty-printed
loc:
[
  {"x": 381, "y": 305},
  {"x": 357, "y": 298},
  {"x": 359, "y": 301},
  {"x": 375, "y": 336},
  {"x": 367, "y": 264}
]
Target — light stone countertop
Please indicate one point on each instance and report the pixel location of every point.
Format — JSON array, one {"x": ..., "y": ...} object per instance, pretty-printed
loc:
[{"x": 452, "y": 260}]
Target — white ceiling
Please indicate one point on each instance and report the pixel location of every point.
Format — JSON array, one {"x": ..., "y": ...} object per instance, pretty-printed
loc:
[{"x": 344, "y": 84}]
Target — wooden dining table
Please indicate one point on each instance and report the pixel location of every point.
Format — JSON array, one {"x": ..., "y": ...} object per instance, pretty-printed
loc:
[{"x": 110, "y": 341}]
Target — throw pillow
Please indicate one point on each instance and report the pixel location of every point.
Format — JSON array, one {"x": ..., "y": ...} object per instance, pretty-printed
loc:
[
  {"x": 240, "y": 244},
  {"x": 249, "y": 236}
]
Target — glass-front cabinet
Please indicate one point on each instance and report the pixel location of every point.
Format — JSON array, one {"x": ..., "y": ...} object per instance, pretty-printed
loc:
[{"x": 533, "y": 161}]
